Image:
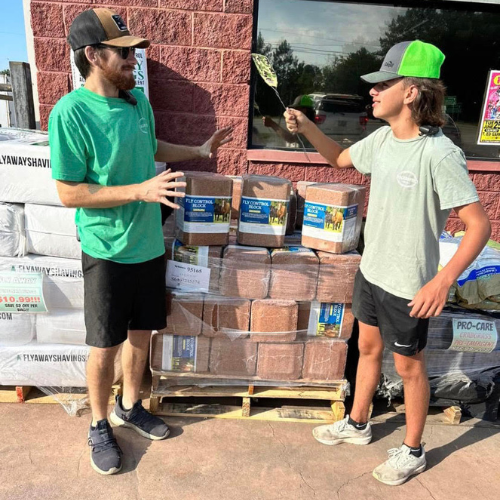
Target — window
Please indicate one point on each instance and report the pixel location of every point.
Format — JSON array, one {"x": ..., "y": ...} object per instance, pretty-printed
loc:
[{"x": 320, "y": 48}]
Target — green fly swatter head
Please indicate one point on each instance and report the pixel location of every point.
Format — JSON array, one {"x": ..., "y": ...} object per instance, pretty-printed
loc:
[{"x": 265, "y": 70}]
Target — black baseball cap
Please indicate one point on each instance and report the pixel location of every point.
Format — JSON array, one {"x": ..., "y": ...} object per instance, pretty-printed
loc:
[{"x": 100, "y": 25}]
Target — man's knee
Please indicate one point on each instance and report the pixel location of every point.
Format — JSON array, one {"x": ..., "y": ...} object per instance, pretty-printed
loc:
[
  {"x": 103, "y": 356},
  {"x": 410, "y": 367}
]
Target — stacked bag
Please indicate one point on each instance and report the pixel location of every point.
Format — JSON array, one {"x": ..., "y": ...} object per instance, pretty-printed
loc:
[
  {"x": 276, "y": 309},
  {"x": 38, "y": 235}
]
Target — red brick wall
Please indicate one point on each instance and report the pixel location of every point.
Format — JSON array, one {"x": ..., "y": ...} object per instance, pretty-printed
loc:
[{"x": 199, "y": 72}]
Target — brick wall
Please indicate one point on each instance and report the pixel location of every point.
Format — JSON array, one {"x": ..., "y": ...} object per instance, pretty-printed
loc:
[{"x": 199, "y": 72}]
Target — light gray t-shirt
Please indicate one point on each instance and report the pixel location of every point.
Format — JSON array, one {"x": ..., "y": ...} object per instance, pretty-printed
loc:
[{"x": 414, "y": 185}]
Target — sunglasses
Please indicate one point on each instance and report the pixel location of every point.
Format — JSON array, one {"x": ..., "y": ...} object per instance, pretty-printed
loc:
[{"x": 124, "y": 52}]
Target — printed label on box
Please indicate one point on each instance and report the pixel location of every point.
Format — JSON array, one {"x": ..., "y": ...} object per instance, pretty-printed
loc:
[
  {"x": 263, "y": 216},
  {"x": 189, "y": 254},
  {"x": 293, "y": 249},
  {"x": 329, "y": 222},
  {"x": 204, "y": 214},
  {"x": 179, "y": 353},
  {"x": 21, "y": 292},
  {"x": 325, "y": 320},
  {"x": 473, "y": 335},
  {"x": 181, "y": 276}
]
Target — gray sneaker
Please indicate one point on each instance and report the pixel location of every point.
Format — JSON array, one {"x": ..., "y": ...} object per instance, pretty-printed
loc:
[
  {"x": 400, "y": 466},
  {"x": 139, "y": 419},
  {"x": 106, "y": 455},
  {"x": 342, "y": 432}
]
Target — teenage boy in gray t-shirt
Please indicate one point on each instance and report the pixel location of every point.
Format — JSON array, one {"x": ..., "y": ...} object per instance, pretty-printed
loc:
[{"x": 417, "y": 176}]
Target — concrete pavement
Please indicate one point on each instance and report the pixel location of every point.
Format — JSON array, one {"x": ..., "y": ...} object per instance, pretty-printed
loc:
[{"x": 44, "y": 455}]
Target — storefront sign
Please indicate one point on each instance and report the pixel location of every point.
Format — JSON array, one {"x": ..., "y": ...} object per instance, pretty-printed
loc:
[
  {"x": 489, "y": 128},
  {"x": 473, "y": 335},
  {"x": 21, "y": 292}
]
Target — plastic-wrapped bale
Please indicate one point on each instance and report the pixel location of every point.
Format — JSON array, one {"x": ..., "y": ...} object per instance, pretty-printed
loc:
[
  {"x": 62, "y": 278},
  {"x": 233, "y": 357},
  {"x": 236, "y": 199},
  {"x": 61, "y": 326},
  {"x": 468, "y": 324},
  {"x": 245, "y": 272},
  {"x": 478, "y": 287},
  {"x": 12, "y": 235},
  {"x": 294, "y": 273},
  {"x": 204, "y": 256},
  {"x": 16, "y": 329},
  {"x": 291, "y": 221},
  {"x": 330, "y": 320},
  {"x": 51, "y": 231},
  {"x": 324, "y": 360},
  {"x": 174, "y": 353},
  {"x": 336, "y": 276},
  {"x": 263, "y": 211},
  {"x": 333, "y": 214},
  {"x": 25, "y": 171},
  {"x": 301, "y": 200},
  {"x": 280, "y": 361},
  {"x": 184, "y": 313},
  {"x": 48, "y": 365},
  {"x": 226, "y": 317},
  {"x": 269, "y": 317},
  {"x": 205, "y": 212}
]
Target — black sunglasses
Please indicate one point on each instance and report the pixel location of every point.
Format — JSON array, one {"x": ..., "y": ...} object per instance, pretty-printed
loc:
[{"x": 122, "y": 51}]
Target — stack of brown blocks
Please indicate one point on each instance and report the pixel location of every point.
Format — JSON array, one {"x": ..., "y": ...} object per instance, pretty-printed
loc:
[{"x": 259, "y": 327}]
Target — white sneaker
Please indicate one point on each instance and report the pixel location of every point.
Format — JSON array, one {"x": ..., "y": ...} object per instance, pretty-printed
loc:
[
  {"x": 342, "y": 432},
  {"x": 400, "y": 466}
]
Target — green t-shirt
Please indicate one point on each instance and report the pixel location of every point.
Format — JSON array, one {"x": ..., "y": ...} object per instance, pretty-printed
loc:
[
  {"x": 414, "y": 185},
  {"x": 107, "y": 141}
]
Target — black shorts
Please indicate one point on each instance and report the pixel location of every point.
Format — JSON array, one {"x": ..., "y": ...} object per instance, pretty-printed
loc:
[
  {"x": 400, "y": 332},
  {"x": 122, "y": 297}
]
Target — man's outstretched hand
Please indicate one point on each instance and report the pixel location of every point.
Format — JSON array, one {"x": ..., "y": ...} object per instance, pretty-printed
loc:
[
  {"x": 162, "y": 187},
  {"x": 220, "y": 137}
]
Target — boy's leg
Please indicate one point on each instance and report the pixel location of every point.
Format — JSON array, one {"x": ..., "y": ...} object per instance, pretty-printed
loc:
[
  {"x": 134, "y": 356},
  {"x": 413, "y": 371},
  {"x": 371, "y": 349},
  {"x": 100, "y": 373}
]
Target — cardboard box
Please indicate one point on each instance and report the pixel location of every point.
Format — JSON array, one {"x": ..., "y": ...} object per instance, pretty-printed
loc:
[
  {"x": 263, "y": 211},
  {"x": 333, "y": 214},
  {"x": 205, "y": 212}
]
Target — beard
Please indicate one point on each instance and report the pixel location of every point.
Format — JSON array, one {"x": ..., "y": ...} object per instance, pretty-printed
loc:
[{"x": 118, "y": 78}]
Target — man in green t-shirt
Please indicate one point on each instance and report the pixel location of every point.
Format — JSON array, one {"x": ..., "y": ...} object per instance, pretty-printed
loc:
[
  {"x": 417, "y": 176},
  {"x": 103, "y": 152}
]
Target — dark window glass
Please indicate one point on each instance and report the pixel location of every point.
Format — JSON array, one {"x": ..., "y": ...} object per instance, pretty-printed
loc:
[{"x": 320, "y": 49}]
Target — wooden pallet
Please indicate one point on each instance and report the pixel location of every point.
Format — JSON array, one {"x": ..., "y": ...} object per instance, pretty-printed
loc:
[
  {"x": 30, "y": 394},
  {"x": 209, "y": 402},
  {"x": 436, "y": 414}
]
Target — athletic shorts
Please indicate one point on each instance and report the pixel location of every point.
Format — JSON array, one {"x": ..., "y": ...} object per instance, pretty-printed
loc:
[
  {"x": 121, "y": 297},
  {"x": 400, "y": 332}
]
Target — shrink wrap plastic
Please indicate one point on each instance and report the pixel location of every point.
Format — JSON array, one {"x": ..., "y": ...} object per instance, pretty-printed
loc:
[{"x": 265, "y": 324}]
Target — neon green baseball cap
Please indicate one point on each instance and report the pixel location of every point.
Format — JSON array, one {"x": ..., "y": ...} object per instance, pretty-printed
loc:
[
  {"x": 416, "y": 58},
  {"x": 302, "y": 101}
]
